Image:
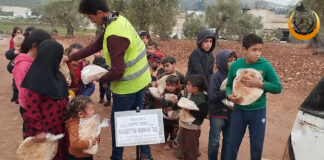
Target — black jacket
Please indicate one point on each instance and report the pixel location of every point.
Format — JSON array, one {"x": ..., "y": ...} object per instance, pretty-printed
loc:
[
  {"x": 10, "y": 54},
  {"x": 201, "y": 101},
  {"x": 215, "y": 95},
  {"x": 200, "y": 61}
]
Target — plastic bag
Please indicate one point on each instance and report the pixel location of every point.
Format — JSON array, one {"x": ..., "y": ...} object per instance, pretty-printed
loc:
[
  {"x": 91, "y": 73},
  {"x": 91, "y": 127},
  {"x": 187, "y": 104},
  {"x": 162, "y": 83},
  {"x": 29, "y": 149},
  {"x": 186, "y": 117},
  {"x": 155, "y": 92}
]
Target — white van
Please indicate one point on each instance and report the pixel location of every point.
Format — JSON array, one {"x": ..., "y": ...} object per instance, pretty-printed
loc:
[{"x": 306, "y": 141}]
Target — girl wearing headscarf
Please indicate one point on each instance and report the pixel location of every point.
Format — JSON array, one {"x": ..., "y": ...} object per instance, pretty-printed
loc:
[{"x": 47, "y": 95}]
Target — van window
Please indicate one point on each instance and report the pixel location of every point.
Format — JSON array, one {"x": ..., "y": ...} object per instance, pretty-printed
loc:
[{"x": 314, "y": 103}]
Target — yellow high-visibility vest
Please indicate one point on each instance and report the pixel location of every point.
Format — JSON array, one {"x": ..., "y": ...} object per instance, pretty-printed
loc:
[{"x": 137, "y": 74}]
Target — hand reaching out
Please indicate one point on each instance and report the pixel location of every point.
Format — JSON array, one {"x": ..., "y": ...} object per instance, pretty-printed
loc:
[{"x": 40, "y": 137}]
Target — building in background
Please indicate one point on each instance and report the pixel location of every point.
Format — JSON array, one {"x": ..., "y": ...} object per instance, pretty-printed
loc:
[{"x": 14, "y": 11}]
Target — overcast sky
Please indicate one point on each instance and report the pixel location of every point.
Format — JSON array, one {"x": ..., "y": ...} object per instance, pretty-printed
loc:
[{"x": 284, "y": 2}]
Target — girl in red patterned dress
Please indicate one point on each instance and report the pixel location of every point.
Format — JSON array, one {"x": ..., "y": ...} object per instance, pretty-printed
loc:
[{"x": 47, "y": 93}]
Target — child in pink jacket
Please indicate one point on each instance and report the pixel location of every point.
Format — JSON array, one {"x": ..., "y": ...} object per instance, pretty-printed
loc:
[{"x": 23, "y": 62}]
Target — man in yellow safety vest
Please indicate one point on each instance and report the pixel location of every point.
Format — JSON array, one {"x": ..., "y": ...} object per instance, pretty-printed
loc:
[{"x": 125, "y": 54}]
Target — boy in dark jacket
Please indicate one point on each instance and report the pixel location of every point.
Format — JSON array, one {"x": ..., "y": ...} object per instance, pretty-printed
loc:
[
  {"x": 219, "y": 112},
  {"x": 104, "y": 88},
  {"x": 201, "y": 60},
  {"x": 190, "y": 132}
]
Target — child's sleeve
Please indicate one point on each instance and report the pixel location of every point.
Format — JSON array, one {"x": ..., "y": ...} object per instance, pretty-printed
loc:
[
  {"x": 214, "y": 92},
  {"x": 202, "y": 113},
  {"x": 89, "y": 89},
  {"x": 33, "y": 117},
  {"x": 182, "y": 80},
  {"x": 165, "y": 103},
  {"x": 10, "y": 54},
  {"x": 271, "y": 81},
  {"x": 74, "y": 138},
  {"x": 230, "y": 78},
  {"x": 10, "y": 66},
  {"x": 175, "y": 106}
]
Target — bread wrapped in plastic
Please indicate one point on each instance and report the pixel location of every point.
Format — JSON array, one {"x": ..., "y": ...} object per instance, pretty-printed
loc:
[
  {"x": 225, "y": 101},
  {"x": 91, "y": 73},
  {"x": 65, "y": 70},
  {"x": 170, "y": 96},
  {"x": 29, "y": 149},
  {"x": 155, "y": 92},
  {"x": 249, "y": 94},
  {"x": 186, "y": 117},
  {"x": 223, "y": 85},
  {"x": 91, "y": 127},
  {"x": 162, "y": 83},
  {"x": 88, "y": 129},
  {"x": 173, "y": 114},
  {"x": 187, "y": 104}
]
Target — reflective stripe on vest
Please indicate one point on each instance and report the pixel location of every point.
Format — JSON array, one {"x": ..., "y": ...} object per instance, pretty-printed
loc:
[
  {"x": 136, "y": 74},
  {"x": 134, "y": 61}
]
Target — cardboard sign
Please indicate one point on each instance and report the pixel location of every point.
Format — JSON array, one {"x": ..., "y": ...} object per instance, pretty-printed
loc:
[{"x": 139, "y": 128}]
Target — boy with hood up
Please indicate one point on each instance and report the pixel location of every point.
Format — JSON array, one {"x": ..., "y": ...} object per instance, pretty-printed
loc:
[
  {"x": 219, "y": 112},
  {"x": 201, "y": 59}
]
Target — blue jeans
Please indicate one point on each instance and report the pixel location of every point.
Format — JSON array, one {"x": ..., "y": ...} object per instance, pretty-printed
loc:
[
  {"x": 256, "y": 120},
  {"x": 217, "y": 125},
  {"x": 126, "y": 102}
]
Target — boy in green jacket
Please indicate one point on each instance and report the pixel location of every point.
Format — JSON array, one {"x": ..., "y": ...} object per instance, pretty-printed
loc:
[{"x": 253, "y": 115}]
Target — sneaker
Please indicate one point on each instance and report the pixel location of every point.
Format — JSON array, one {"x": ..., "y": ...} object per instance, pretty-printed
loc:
[
  {"x": 172, "y": 145},
  {"x": 144, "y": 157},
  {"x": 177, "y": 153},
  {"x": 101, "y": 101},
  {"x": 166, "y": 146},
  {"x": 107, "y": 104}
]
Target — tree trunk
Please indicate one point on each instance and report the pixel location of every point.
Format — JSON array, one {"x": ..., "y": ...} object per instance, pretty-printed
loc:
[
  {"x": 216, "y": 34},
  {"x": 69, "y": 30},
  {"x": 315, "y": 42}
]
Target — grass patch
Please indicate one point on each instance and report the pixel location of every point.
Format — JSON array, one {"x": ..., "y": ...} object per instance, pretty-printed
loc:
[
  {"x": 7, "y": 29},
  {"x": 20, "y": 20}
]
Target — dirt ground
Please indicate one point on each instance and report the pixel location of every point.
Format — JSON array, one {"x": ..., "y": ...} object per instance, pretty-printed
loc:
[{"x": 298, "y": 69}]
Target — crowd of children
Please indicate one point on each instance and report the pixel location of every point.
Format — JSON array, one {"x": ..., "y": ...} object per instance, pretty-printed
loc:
[
  {"x": 203, "y": 87},
  {"x": 42, "y": 93}
]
